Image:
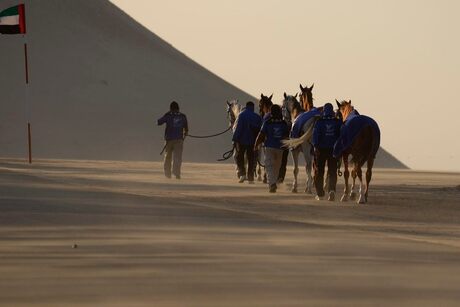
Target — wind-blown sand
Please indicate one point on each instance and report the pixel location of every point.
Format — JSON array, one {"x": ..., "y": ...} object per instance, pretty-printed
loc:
[{"x": 144, "y": 240}]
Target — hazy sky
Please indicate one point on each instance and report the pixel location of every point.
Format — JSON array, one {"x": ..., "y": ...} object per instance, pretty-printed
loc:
[{"x": 398, "y": 60}]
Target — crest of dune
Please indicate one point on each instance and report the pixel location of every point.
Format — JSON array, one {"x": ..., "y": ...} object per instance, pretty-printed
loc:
[{"x": 98, "y": 82}]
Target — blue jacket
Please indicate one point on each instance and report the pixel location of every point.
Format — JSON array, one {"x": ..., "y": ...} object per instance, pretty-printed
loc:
[
  {"x": 176, "y": 125},
  {"x": 300, "y": 121},
  {"x": 326, "y": 130},
  {"x": 275, "y": 131},
  {"x": 247, "y": 127}
]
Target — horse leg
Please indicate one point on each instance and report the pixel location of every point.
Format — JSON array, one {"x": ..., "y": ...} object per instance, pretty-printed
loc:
[
  {"x": 359, "y": 172},
  {"x": 308, "y": 166},
  {"x": 370, "y": 164},
  {"x": 346, "y": 176},
  {"x": 259, "y": 168},
  {"x": 353, "y": 184},
  {"x": 295, "y": 158}
]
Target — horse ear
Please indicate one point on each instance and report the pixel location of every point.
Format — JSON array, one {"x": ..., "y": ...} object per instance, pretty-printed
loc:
[
  {"x": 262, "y": 96},
  {"x": 285, "y": 96},
  {"x": 312, "y": 86},
  {"x": 349, "y": 101},
  {"x": 301, "y": 87},
  {"x": 228, "y": 103},
  {"x": 270, "y": 98},
  {"x": 338, "y": 103},
  {"x": 296, "y": 94}
]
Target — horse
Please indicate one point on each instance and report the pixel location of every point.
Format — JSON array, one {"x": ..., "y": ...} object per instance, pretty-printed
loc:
[
  {"x": 292, "y": 109},
  {"x": 265, "y": 103},
  {"x": 362, "y": 148}
]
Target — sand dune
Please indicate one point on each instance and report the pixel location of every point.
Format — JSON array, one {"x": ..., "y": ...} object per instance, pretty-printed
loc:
[
  {"x": 99, "y": 80},
  {"x": 144, "y": 240}
]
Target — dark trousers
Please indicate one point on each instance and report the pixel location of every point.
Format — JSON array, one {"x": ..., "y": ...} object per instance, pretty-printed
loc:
[
  {"x": 283, "y": 167},
  {"x": 322, "y": 157},
  {"x": 241, "y": 152}
]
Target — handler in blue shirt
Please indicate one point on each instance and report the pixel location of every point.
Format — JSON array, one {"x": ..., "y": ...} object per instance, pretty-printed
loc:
[
  {"x": 244, "y": 137},
  {"x": 175, "y": 132},
  {"x": 325, "y": 134},
  {"x": 273, "y": 131}
]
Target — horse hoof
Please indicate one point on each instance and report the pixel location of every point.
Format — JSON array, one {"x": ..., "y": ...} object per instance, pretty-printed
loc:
[
  {"x": 344, "y": 198},
  {"x": 353, "y": 196},
  {"x": 308, "y": 191},
  {"x": 294, "y": 190},
  {"x": 259, "y": 179},
  {"x": 361, "y": 200}
]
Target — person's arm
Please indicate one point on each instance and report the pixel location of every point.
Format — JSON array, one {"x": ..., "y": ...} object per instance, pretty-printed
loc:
[{"x": 163, "y": 120}]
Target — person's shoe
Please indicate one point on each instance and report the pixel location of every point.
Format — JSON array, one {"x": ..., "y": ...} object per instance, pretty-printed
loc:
[
  {"x": 242, "y": 179},
  {"x": 273, "y": 188},
  {"x": 251, "y": 182},
  {"x": 331, "y": 196}
]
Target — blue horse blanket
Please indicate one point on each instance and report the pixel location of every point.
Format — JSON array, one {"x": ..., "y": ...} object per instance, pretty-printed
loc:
[
  {"x": 354, "y": 124},
  {"x": 300, "y": 121}
]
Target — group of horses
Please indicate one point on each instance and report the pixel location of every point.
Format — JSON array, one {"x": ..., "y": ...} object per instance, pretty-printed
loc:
[{"x": 362, "y": 149}]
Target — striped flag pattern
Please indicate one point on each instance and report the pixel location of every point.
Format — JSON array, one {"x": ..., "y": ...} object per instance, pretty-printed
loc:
[{"x": 12, "y": 20}]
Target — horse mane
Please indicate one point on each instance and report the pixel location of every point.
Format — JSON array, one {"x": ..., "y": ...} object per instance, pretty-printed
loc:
[{"x": 236, "y": 109}]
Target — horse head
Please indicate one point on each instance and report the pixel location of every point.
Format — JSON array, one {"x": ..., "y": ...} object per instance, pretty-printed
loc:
[
  {"x": 291, "y": 107},
  {"x": 233, "y": 111},
  {"x": 265, "y": 104},
  {"x": 306, "y": 97},
  {"x": 345, "y": 108}
]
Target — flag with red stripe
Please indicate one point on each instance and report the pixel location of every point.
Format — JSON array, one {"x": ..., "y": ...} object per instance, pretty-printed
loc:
[{"x": 13, "y": 20}]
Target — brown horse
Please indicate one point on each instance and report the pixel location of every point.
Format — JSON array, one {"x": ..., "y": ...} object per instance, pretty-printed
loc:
[
  {"x": 363, "y": 149},
  {"x": 306, "y": 97}
]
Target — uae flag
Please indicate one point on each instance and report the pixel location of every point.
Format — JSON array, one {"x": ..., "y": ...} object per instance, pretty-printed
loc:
[{"x": 13, "y": 20}]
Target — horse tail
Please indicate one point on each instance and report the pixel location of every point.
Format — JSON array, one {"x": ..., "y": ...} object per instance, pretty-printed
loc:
[{"x": 293, "y": 143}]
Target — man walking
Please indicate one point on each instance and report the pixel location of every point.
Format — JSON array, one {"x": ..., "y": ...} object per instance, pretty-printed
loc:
[
  {"x": 244, "y": 137},
  {"x": 325, "y": 134},
  {"x": 273, "y": 131},
  {"x": 175, "y": 132}
]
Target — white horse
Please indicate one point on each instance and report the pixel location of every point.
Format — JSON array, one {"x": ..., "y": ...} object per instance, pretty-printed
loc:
[{"x": 292, "y": 110}]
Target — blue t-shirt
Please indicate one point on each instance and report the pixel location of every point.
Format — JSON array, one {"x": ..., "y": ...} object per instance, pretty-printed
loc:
[
  {"x": 176, "y": 125},
  {"x": 275, "y": 131},
  {"x": 326, "y": 132}
]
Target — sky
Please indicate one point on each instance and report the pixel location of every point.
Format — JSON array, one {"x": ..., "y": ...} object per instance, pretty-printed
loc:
[{"x": 397, "y": 60}]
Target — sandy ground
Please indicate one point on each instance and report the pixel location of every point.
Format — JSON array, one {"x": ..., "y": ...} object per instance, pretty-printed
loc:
[{"x": 205, "y": 240}]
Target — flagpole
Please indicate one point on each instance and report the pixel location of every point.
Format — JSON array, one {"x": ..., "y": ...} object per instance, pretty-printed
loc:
[
  {"x": 29, "y": 128},
  {"x": 26, "y": 70}
]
